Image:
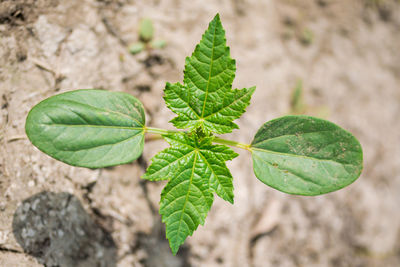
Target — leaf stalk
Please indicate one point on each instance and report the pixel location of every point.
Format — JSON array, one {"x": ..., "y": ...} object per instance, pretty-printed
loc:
[
  {"x": 217, "y": 140},
  {"x": 158, "y": 131},
  {"x": 232, "y": 143}
]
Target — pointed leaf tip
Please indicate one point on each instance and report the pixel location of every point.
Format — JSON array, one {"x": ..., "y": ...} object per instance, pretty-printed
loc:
[{"x": 206, "y": 99}]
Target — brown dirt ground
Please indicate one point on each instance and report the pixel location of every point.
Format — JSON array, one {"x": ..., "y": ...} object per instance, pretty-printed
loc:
[{"x": 345, "y": 52}]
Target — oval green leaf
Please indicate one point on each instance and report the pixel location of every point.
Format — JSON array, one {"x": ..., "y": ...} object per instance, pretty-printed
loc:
[
  {"x": 146, "y": 30},
  {"x": 304, "y": 155},
  {"x": 88, "y": 128},
  {"x": 158, "y": 44},
  {"x": 136, "y": 48}
]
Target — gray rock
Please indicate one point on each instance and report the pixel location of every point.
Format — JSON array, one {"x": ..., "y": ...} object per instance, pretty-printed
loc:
[{"x": 54, "y": 228}]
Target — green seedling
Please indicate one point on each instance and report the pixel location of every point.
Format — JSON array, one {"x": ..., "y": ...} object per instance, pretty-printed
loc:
[
  {"x": 306, "y": 37},
  {"x": 298, "y": 106},
  {"x": 146, "y": 34},
  {"x": 299, "y": 155}
]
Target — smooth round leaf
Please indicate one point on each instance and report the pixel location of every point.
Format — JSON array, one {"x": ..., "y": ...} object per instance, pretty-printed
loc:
[
  {"x": 88, "y": 128},
  {"x": 304, "y": 155}
]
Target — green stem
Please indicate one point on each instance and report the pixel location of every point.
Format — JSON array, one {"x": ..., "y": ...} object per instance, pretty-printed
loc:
[
  {"x": 217, "y": 140},
  {"x": 159, "y": 131},
  {"x": 232, "y": 143}
]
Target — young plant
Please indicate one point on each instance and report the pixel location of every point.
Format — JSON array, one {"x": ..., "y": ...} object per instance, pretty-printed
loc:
[
  {"x": 146, "y": 32},
  {"x": 295, "y": 154},
  {"x": 298, "y": 106}
]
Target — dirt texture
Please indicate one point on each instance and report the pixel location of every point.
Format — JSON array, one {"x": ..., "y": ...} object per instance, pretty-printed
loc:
[{"x": 345, "y": 52}]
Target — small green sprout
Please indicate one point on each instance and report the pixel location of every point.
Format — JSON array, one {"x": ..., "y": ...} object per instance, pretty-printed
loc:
[
  {"x": 306, "y": 37},
  {"x": 146, "y": 41},
  {"x": 297, "y": 105}
]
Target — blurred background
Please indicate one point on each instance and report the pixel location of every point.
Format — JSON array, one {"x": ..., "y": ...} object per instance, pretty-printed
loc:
[{"x": 335, "y": 59}]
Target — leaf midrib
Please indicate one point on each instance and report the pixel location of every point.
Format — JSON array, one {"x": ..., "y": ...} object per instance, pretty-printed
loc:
[
  {"x": 187, "y": 194},
  {"x": 230, "y": 104},
  {"x": 295, "y": 134},
  {"x": 209, "y": 74},
  {"x": 297, "y": 156},
  {"x": 110, "y": 144},
  {"x": 171, "y": 163},
  {"x": 215, "y": 175},
  {"x": 187, "y": 104},
  {"x": 92, "y": 126},
  {"x": 283, "y": 171},
  {"x": 101, "y": 109}
]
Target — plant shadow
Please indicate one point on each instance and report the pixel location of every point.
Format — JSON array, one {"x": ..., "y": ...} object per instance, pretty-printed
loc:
[
  {"x": 157, "y": 248},
  {"x": 55, "y": 229}
]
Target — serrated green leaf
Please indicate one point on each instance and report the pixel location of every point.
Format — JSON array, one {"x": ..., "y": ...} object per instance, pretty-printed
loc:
[
  {"x": 165, "y": 164},
  {"x": 206, "y": 99},
  {"x": 195, "y": 169},
  {"x": 185, "y": 202},
  {"x": 88, "y": 128},
  {"x": 305, "y": 155}
]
